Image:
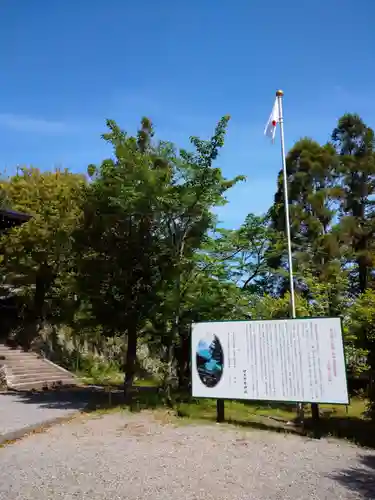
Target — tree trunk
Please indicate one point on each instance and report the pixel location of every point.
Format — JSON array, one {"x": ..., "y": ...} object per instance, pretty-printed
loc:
[
  {"x": 362, "y": 274},
  {"x": 131, "y": 357},
  {"x": 170, "y": 347},
  {"x": 180, "y": 368},
  {"x": 183, "y": 358},
  {"x": 169, "y": 374},
  {"x": 35, "y": 318},
  {"x": 371, "y": 389}
]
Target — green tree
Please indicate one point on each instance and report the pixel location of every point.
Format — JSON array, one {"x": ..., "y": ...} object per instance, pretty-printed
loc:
[
  {"x": 354, "y": 142},
  {"x": 38, "y": 252},
  {"x": 3, "y": 199},
  {"x": 313, "y": 191},
  {"x": 360, "y": 337},
  {"x": 119, "y": 258},
  {"x": 196, "y": 188},
  {"x": 205, "y": 298},
  {"x": 241, "y": 253}
]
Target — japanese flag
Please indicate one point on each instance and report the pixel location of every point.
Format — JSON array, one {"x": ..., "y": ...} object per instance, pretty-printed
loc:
[{"x": 273, "y": 120}]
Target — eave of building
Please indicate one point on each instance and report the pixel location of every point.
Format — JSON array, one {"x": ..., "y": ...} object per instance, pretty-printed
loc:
[{"x": 10, "y": 218}]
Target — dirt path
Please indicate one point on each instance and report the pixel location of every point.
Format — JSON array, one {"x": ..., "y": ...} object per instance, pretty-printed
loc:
[{"x": 124, "y": 456}]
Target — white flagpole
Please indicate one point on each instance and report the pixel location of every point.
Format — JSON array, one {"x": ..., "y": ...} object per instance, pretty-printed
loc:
[{"x": 279, "y": 95}]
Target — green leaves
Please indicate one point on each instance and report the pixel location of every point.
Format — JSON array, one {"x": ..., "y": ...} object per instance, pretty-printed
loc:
[{"x": 37, "y": 254}]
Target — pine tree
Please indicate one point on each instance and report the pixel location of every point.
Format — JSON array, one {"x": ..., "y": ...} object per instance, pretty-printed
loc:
[
  {"x": 311, "y": 170},
  {"x": 354, "y": 142}
]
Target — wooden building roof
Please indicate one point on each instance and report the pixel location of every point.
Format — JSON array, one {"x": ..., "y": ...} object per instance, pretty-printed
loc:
[{"x": 10, "y": 218}]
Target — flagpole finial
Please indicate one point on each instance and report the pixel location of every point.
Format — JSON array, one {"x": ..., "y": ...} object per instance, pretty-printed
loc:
[{"x": 279, "y": 93}]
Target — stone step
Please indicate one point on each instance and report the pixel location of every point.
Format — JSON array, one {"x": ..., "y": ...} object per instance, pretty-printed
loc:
[
  {"x": 26, "y": 358},
  {"x": 28, "y": 370},
  {"x": 16, "y": 359},
  {"x": 4, "y": 348},
  {"x": 29, "y": 359},
  {"x": 40, "y": 383},
  {"x": 34, "y": 369},
  {"x": 36, "y": 375},
  {"x": 37, "y": 384},
  {"x": 44, "y": 368},
  {"x": 40, "y": 374},
  {"x": 27, "y": 366},
  {"x": 24, "y": 362},
  {"x": 20, "y": 354}
]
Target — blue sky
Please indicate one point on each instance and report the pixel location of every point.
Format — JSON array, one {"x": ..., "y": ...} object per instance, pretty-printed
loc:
[{"x": 68, "y": 65}]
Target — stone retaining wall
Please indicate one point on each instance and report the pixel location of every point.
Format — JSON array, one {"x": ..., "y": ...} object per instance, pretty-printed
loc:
[{"x": 3, "y": 378}]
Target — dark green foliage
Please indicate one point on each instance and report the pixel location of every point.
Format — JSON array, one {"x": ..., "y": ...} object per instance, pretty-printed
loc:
[{"x": 355, "y": 143}]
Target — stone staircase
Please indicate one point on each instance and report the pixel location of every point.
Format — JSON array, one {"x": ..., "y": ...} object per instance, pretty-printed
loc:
[{"x": 27, "y": 370}]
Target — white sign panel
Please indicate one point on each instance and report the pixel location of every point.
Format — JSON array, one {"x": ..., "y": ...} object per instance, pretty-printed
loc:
[{"x": 300, "y": 360}]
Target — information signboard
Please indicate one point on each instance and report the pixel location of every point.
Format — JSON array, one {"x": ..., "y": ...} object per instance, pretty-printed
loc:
[{"x": 296, "y": 360}]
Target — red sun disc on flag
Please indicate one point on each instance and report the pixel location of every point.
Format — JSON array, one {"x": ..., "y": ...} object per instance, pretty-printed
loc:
[{"x": 274, "y": 123}]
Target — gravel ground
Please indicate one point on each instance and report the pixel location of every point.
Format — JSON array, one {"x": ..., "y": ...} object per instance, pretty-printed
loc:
[
  {"x": 123, "y": 456},
  {"x": 18, "y": 411}
]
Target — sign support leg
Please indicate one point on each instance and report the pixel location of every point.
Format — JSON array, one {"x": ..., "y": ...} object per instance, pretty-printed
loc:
[
  {"x": 315, "y": 420},
  {"x": 220, "y": 410}
]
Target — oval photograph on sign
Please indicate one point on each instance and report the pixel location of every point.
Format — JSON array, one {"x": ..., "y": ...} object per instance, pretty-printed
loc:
[{"x": 210, "y": 360}]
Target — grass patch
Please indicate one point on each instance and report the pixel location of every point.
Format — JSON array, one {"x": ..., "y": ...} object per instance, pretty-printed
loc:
[
  {"x": 240, "y": 411},
  {"x": 235, "y": 411},
  {"x": 102, "y": 378},
  {"x": 146, "y": 382},
  {"x": 356, "y": 409},
  {"x": 112, "y": 378}
]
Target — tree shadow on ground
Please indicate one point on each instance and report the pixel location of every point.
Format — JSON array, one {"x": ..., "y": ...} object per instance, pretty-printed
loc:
[
  {"x": 361, "y": 479},
  {"x": 263, "y": 423},
  {"x": 275, "y": 405},
  {"x": 60, "y": 398},
  {"x": 357, "y": 430},
  {"x": 88, "y": 398}
]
